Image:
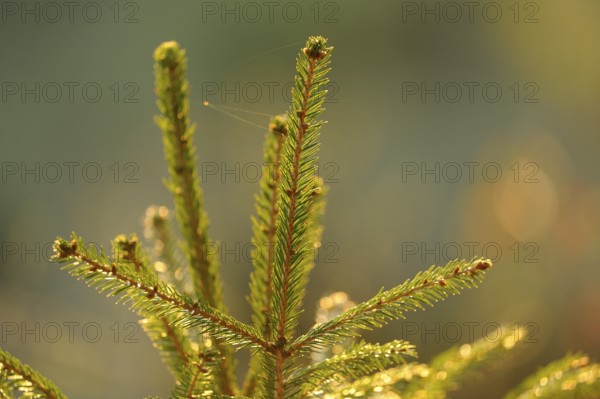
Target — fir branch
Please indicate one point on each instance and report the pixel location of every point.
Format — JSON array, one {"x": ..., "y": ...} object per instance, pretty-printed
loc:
[
  {"x": 425, "y": 288},
  {"x": 452, "y": 368},
  {"x": 383, "y": 383},
  {"x": 361, "y": 360},
  {"x": 180, "y": 154},
  {"x": 297, "y": 180},
  {"x": 296, "y": 187},
  {"x": 18, "y": 377},
  {"x": 149, "y": 296},
  {"x": 264, "y": 226},
  {"x": 570, "y": 377}
]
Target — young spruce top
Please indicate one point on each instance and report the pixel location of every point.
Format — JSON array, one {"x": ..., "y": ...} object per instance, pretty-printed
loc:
[{"x": 177, "y": 290}]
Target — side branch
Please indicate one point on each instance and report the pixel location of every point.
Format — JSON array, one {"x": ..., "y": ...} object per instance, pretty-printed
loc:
[
  {"x": 430, "y": 286},
  {"x": 264, "y": 226},
  {"x": 153, "y": 297},
  {"x": 180, "y": 154},
  {"x": 15, "y": 375}
]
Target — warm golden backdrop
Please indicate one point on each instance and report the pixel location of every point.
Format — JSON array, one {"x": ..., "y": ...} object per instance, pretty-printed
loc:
[{"x": 387, "y": 215}]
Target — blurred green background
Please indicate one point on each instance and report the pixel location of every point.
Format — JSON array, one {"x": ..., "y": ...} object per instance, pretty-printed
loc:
[{"x": 383, "y": 223}]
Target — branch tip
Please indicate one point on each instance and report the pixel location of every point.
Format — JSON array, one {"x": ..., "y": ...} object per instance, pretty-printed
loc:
[
  {"x": 64, "y": 249},
  {"x": 278, "y": 125},
  {"x": 316, "y": 48},
  {"x": 169, "y": 54}
]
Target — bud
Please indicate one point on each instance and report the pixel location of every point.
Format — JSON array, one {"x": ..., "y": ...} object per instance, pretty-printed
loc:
[
  {"x": 64, "y": 249},
  {"x": 278, "y": 125},
  {"x": 483, "y": 264},
  {"x": 316, "y": 48},
  {"x": 169, "y": 54}
]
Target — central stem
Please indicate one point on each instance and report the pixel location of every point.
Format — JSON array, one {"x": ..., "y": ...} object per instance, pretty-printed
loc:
[{"x": 280, "y": 354}]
